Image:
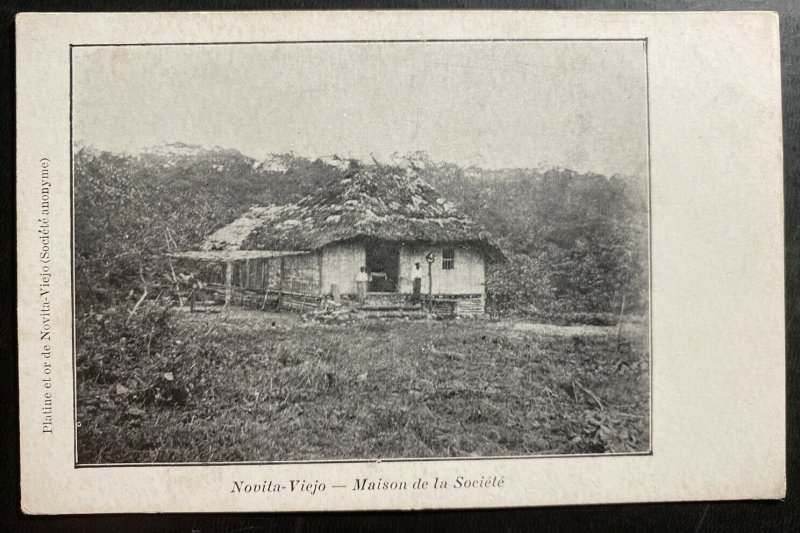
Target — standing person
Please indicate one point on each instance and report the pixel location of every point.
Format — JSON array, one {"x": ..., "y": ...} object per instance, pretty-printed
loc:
[
  {"x": 362, "y": 280},
  {"x": 417, "y": 296}
]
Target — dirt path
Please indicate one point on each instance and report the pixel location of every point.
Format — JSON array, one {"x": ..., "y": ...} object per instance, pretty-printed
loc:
[
  {"x": 562, "y": 331},
  {"x": 264, "y": 319}
]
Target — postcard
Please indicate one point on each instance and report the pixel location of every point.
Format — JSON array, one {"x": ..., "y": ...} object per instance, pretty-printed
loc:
[{"x": 398, "y": 260}]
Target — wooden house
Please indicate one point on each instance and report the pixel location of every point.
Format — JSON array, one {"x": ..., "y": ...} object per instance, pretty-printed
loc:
[{"x": 412, "y": 245}]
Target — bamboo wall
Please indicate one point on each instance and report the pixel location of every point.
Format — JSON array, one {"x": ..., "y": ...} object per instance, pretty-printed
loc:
[{"x": 300, "y": 274}]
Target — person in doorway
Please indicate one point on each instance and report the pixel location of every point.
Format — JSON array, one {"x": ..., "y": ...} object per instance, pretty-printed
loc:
[
  {"x": 362, "y": 280},
  {"x": 417, "y": 295}
]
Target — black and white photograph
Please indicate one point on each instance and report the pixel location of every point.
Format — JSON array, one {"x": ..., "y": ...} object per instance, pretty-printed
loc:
[
  {"x": 364, "y": 250},
  {"x": 399, "y": 260}
]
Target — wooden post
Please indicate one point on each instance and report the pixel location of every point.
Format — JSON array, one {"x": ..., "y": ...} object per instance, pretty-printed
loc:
[
  {"x": 266, "y": 283},
  {"x": 228, "y": 283},
  {"x": 430, "y": 286},
  {"x": 621, "y": 314},
  {"x": 319, "y": 265},
  {"x": 281, "y": 281}
]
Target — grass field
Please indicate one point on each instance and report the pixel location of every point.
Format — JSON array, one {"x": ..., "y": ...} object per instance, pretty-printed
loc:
[{"x": 255, "y": 386}]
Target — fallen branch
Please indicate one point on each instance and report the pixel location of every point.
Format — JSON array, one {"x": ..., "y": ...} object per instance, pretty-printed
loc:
[
  {"x": 630, "y": 415},
  {"x": 590, "y": 393},
  {"x": 451, "y": 355},
  {"x": 171, "y": 268},
  {"x": 301, "y": 381},
  {"x": 171, "y": 239},
  {"x": 144, "y": 295},
  {"x": 499, "y": 410},
  {"x": 211, "y": 328}
]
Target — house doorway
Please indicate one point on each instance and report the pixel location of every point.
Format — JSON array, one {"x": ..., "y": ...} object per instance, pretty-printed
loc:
[{"x": 383, "y": 265}]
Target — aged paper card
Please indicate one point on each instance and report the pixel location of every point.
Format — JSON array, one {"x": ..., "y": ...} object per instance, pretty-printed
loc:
[{"x": 394, "y": 260}]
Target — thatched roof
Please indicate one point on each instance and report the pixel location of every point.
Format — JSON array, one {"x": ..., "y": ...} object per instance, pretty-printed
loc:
[{"x": 369, "y": 202}]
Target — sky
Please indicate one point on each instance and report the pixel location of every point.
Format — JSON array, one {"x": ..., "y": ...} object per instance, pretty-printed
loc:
[{"x": 580, "y": 105}]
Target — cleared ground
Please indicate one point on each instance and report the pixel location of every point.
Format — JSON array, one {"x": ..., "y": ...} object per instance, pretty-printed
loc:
[{"x": 255, "y": 386}]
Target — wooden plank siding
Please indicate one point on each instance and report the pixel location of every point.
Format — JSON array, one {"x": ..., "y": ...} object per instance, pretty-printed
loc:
[
  {"x": 341, "y": 262},
  {"x": 460, "y": 288}
]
